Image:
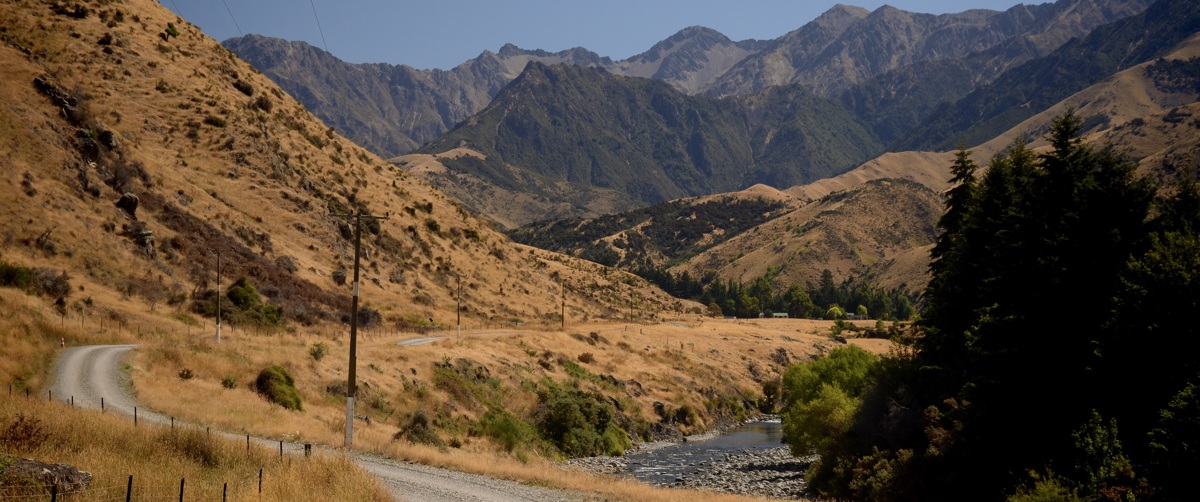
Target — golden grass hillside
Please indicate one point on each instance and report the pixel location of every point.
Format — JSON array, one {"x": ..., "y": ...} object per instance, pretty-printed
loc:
[{"x": 106, "y": 98}]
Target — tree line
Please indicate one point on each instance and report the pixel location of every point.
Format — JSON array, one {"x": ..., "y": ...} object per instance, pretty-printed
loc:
[
  {"x": 811, "y": 301},
  {"x": 1051, "y": 360}
]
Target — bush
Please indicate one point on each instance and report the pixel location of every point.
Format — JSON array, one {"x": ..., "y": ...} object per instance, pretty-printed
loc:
[
  {"x": 263, "y": 103},
  {"x": 587, "y": 358},
  {"x": 243, "y": 87},
  {"x": 507, "y": 429},
  {"x": 579, "y": 423},
  {"x": 15, "y": 276},
  {"x": 318, "y": 351},
  {"x": 229, "y": 382},
  {"x": 277, "y": 386},
  {"x": 23, "y": 434},
  {"x": 419, "y": 430},
  {"x": 186, "y": 374},
  {"x": 51, "y": 283}
]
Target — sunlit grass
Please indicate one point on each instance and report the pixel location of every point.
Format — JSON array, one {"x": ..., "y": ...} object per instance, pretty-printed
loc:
[{"x": 112, "y": 448}]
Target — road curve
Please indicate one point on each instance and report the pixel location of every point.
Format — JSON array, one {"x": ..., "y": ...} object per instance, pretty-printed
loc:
[{"x": 86, "y": 374}]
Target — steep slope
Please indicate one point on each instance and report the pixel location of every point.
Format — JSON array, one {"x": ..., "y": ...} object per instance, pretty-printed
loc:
[
  {"x": 846, "y": 45},
  {"x": 390, "y": 109},
  {"x": 1028, "y": 89},
  {"x": 393, "y": 109},
  {"x": 588, "y": 129},
  {"x": 126, "y": 99}
]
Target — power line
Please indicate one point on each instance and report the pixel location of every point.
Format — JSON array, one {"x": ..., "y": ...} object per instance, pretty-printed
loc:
[
  {"x": 322, "y": 32},
  {"x": 235, "y": 23}
]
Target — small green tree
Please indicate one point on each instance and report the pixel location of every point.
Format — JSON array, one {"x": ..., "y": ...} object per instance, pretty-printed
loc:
[{"x": 821, "y": 397}]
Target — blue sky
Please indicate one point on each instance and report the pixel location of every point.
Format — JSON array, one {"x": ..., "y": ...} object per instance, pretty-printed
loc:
[{"x": 443, "y": 33}]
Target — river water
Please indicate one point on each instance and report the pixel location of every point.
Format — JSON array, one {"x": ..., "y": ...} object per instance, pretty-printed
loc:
[{"x": 665, "y": 465}]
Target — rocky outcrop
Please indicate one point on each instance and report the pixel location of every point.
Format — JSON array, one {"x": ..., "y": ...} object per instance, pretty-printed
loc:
[{"x": 61, "y": 478}]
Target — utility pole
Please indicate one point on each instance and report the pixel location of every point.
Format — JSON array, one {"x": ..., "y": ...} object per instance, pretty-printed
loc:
[
  {"x": 351, "y": 387},
  {"x": 459, "y": 321},
  {"x": 218, "y": 253}
]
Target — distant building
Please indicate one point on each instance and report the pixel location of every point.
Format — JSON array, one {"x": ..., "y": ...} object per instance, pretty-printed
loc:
[{"x": 780, "y": 315}]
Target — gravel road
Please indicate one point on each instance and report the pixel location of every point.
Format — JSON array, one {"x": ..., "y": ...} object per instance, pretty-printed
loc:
[{"x": 90, "y": 373}]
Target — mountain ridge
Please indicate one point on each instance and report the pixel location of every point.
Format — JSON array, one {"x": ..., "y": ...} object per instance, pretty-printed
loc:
[{"x": 401, "y": 108}]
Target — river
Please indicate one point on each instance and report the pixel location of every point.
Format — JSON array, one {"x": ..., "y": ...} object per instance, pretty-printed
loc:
[{"x": 666, "y": 465}]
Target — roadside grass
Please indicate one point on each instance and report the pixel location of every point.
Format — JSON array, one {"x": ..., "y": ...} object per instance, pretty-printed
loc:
[
  {"x": 665, "y": 362},
  {"x": 111, "y": 448}
]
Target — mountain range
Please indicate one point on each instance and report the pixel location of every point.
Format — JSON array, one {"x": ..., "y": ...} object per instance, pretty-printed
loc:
[
  {"x": 393, "y": 109},
  {"x": 575, "y": 135}
]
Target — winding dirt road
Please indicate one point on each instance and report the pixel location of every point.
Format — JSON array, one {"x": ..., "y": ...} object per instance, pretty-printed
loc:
[{"x": 91, "y": 373}]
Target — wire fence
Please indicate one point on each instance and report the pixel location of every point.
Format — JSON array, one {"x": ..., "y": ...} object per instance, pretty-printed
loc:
[
  {"x": 150, "y": 488},
  {"x": 140, "y": 489}
]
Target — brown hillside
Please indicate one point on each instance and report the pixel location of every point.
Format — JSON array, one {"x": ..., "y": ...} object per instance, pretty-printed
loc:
[
  {"x": 102, "y": 99},
  {"x": 880, "y": 230}
]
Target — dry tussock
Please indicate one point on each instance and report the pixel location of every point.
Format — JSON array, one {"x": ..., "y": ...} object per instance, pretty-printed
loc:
[{"x": 111, "y": 448}]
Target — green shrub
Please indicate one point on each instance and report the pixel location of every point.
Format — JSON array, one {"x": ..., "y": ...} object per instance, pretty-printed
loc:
[
  {"x": 507, "y": 429},
  {"x": 278, "y": 386},
  {"x": 318, "y": 351},
  {"x": 15, "y": 276},
  {"x": 229, "y": 382},
  {"x": 580, "y": 423}
]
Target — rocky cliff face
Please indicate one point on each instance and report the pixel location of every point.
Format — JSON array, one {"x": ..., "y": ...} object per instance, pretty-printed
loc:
[{"x": 848, "y": 45}]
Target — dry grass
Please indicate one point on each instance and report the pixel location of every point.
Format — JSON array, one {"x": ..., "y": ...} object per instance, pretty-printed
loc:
[
  {"x": 716, "y": 357},
  {"x": 111, "y": 448}
]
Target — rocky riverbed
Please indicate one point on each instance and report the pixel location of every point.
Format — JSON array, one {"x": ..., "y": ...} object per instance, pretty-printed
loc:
[{"x": 771, "y": 472}]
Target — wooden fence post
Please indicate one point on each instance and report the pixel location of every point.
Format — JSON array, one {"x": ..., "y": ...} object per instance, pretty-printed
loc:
[
  {"x": 181, "y": 480},
  {"x": 129, "y": 489}
]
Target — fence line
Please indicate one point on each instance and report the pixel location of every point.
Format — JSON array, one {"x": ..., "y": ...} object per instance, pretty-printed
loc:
[
  {"x": 143, "y": 491},
  {"x": 139, "y": 489}
]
